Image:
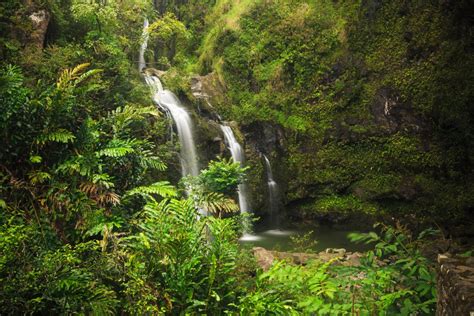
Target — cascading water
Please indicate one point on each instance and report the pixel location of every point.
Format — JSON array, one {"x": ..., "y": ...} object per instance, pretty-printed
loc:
[
  {"x": 143, "y": 46},
  {"x": 273, "y": 204},
  {"x": 273, "y": 196},
  {"x": 189, "y": 163},
  {"x": 167, "y": 101},
  {"x": 237, "y": 156}
]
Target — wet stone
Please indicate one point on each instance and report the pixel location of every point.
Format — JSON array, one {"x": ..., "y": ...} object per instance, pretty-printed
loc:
[{"x": 455, "y": 285}]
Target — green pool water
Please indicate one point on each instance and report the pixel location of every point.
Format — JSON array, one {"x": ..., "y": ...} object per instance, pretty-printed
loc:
[{"x": 279, "y": 239}]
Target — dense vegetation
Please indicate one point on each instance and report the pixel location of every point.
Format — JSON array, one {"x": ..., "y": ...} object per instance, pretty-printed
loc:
[
  {"x": 373, "y": 98},
  {"x": 365, "y": 105}
]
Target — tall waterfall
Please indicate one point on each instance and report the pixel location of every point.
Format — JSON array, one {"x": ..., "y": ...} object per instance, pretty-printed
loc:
[
  {"x": 237, "y": 156},
  {"x": 273, "y": 195},
  {"x": 167, "y": 101}
]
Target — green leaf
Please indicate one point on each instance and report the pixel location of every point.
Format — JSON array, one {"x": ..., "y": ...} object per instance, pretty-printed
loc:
[{"x": 36, "y": 159}]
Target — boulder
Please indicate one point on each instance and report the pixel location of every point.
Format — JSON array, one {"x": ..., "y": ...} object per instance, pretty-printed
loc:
[{"x": 266, "y": 257}]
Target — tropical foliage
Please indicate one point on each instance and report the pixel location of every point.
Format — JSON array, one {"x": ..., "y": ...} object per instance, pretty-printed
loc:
[{"x": 365, "y": 106}]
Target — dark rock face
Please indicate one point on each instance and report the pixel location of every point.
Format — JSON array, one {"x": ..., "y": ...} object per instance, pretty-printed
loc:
[
  {"x": 392, "y": 115},
  {"x": 455, "y": 286}
]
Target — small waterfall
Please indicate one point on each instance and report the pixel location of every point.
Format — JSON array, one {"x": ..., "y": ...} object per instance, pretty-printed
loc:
[
  {"x": 237, "y": 156},
  {"x": 273, "y": 196}
]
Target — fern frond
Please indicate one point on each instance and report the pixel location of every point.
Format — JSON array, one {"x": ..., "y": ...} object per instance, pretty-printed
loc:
[
  {"x": 108, "y": 198},
  {"x": 84, "y": 165},
  {"x": 90, "y": 189},
  {"x": 79, "y": 68},
  {"x": 86, "y": 75},
  {"x": 115, "y": 152},
  {"x": 64, "y": 79},
  {"x": 59, "y": 136},
  {"x": 70, "y": 74},
  {"x": 181, "y": 212},
  {"x": 121, "y": 117},
  {"x": 72, "y": 77},
  {"x": 162, "y": 188},
  {"x": 153, "y": 162},
  {"x": 104, "y": 180},
  {"x": 38, "y": 177},
  {"x": 215, "y": 203}
]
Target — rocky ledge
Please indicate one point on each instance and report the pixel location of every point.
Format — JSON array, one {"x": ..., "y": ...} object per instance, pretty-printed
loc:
[{"x": 266, "y": 257}]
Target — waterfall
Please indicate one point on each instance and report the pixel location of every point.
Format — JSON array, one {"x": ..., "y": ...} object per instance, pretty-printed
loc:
[
  {"x": 237, "y": 156},
  {"x": 273, "y": 197},
  {"x": 189, "y": 163},
  {"x": 171, "y": 105},
  {"x": 144, "y": 45}
]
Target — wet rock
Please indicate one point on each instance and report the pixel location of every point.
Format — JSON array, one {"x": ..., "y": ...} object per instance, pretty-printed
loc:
[
  {"x": 154, "y": 72},
  {"x": 339, "y": 251},
  {"x": 207, "y": 87},
  {"x": 393, "y": 115},
  {"x": 197, "y": 88},
  {"x": 455, "y": 286}
]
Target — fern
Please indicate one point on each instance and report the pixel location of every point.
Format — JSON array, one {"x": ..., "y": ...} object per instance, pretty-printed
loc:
[
  {"x": 70, "y": 78},
  {"x": 152, "y": 162},
  {"x": 39, "y": 177},
  {"x": 216, "y": 203},
  {"x": 84, "y": 165},
  {"x": 118, "y": 148},
  {"x": 115, "y": 152},
  {"x": 128, "y": 113},
  {"x": 162, "y": 188},
  {"x": 59, "y": 136}
]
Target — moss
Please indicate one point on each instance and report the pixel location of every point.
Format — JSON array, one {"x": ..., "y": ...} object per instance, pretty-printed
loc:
[{"x": 320, "y": 70}]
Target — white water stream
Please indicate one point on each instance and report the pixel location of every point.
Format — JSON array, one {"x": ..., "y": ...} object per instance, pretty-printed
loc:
[
  {"x": 273, "y": 197},
  {"x": 237, "y": 156}
]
